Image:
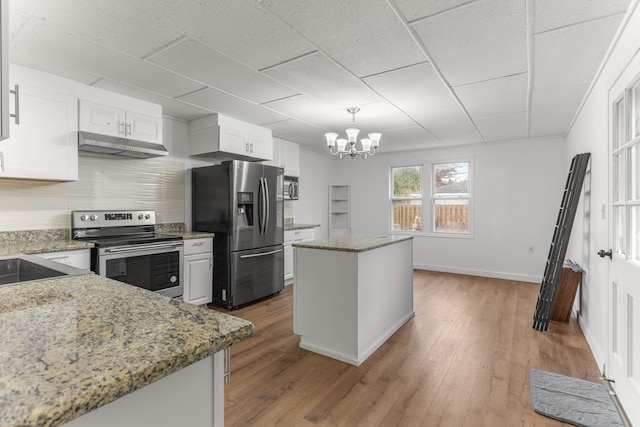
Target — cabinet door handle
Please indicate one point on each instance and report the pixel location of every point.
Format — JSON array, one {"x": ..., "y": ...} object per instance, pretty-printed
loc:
[
  {"x": 16, "y": 100},
  {"x": 128, "y": 129},
  {"x": 121, "y": 129}
]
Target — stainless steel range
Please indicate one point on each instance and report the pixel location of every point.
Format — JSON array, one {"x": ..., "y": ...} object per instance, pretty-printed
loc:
[{"x": 128, "y": 249}]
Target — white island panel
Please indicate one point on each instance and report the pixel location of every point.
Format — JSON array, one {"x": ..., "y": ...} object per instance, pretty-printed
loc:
[{"x": 348, "y": 302}]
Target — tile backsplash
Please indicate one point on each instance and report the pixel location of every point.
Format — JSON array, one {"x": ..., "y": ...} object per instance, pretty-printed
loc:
[{"x": 103, "y": 183}]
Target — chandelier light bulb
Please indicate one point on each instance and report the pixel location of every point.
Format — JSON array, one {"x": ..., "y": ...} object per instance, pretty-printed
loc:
[
  {"x": 352, "y": 134},
  {"x": 331, "y": 139}
]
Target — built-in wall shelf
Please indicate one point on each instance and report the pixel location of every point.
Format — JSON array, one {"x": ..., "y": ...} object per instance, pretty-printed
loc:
[{"x": 339, "y": 211}]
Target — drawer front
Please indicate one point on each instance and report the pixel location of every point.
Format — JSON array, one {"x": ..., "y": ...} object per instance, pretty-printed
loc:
[
  {"x": 79, "y": 258},
  {"x": 198, "y": 246},
  {"x": 304, "y": 233}
]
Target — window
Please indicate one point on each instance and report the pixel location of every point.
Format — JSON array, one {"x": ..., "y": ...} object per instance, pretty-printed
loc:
[
  {"x": 406, "y": 198},
  {"x": 448, "y": 211},
  {"x": 450, "y": 198}
]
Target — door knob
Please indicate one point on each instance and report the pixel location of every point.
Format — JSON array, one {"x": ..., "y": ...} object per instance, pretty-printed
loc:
[{"x": 603, "y": 254}]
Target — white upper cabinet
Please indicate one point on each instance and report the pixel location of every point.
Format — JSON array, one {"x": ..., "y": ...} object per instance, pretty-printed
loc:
[
  {"x": 286, "y": 155},
  {"x": 43, "y": 141},
  {"x": 4, "y": 69},
  {"x": 120, "y": 122},
  {"x": 224, "y": 138}
]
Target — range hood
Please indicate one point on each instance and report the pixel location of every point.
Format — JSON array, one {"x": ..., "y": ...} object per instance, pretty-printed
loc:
[{"x": 114, "y": 146}]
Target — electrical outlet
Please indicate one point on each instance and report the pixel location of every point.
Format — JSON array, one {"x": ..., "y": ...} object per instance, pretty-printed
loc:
[{"x": 532, "y": 249}]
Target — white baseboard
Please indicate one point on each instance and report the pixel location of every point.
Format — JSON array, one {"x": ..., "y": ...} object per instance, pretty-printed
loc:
[
  {"x": 481, "y": 273},
  {"x": 596, "y": 350}
]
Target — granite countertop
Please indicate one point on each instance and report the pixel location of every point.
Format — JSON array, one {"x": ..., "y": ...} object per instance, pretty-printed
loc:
[
  {"x": 73, "y": 344},
  {"x": 41, "y": 246},
  {"x": 357, "y": 243},
  {"x": 187, "y": 235},
  {"x": 288, "y": 227}
]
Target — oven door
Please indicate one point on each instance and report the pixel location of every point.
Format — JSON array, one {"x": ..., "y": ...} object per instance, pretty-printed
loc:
[{"x": 156, "y": 267}]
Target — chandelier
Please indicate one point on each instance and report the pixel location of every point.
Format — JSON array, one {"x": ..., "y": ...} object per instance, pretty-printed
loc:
[{"x": 369, "y": 145}]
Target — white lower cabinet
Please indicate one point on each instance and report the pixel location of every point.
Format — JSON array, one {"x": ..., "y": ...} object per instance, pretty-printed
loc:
[
  {"x": 78, "y": 258},
  {"x": 198, "y": 271},
  {"x": 291, "y": 237}
]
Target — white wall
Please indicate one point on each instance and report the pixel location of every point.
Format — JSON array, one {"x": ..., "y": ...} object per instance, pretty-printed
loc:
[
  {"x": 317, "y": 171},
  {"x": 517, "y": 192},
  {"x": 176, "y": 139},
  {"x": 591, "y": 230}
]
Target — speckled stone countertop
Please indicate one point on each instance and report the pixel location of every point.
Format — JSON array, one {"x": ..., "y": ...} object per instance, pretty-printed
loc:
[
  {"x": 288, "y": 227},
  {"x": 73, "y": 344},
  {"x": 36, "y": 247},
  {"x": 188, "y": 235},
  {"x": 357, "y": 243}
]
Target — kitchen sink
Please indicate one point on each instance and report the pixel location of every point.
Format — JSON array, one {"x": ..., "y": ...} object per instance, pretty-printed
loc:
[{"x": 28, "y": 267}]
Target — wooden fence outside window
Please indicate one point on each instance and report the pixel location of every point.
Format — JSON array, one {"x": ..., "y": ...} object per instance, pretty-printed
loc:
[{"x": 450, "y": 218}]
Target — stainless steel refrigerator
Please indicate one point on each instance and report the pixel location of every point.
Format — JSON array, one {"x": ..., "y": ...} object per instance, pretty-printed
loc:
[{"x": 243, "y": 204}]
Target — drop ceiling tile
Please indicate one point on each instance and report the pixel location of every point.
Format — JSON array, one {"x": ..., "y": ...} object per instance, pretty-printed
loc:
[
  {"x": 503, "y": 128},
  {"x": 18, "y": 22},
  {"x": 318, "y": 76},
  {"x": 112, "y": 23},
  {"x": 242, "y": 29},
  {"x": 419, "y": 92},
  {"x": 551, "y": 14},
  {"x": 481, "y": 41},
  {"x": 365, "y": 36},
  {"x": 571, "y": 55},
  {"x": 221, "y": 102},
  {"x": 291, "y": 129},
  {"x": 194, "y": 60},
  {"x": 170, "y": 106},
  {"x": 413, "y": 138},
  {"x": 553, "y": 110},
  {"x": 495, "y": 97},
  {"x": 373, "y": 117},
  {"x": 416, "y": 9},
  {"x": 43, "y": 64},
  {"x": 48, "y": 45}
]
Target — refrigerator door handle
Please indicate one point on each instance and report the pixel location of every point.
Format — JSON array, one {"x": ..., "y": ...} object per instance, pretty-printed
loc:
[
  {"x": 260, "y": 254},
  {"x": 263, "y": 207},
  {"x": 267, "y": 207}
]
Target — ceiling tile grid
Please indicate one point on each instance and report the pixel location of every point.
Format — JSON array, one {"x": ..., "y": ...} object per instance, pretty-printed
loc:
[
  {"x": 480, "y": 41},
  {"x": 500, "y": 70},
  {"x": 194, "y": 60},
  {"x": 365, "y": 36}
]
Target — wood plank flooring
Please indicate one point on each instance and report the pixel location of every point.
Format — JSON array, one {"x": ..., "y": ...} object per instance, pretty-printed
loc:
[{"x": 463, "y": 360}]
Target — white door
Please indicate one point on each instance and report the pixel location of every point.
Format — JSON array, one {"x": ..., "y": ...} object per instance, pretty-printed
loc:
[{"x": 624, "y": 232}]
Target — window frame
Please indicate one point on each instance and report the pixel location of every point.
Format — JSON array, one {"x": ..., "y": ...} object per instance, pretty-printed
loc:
[
  {"x": 428, "y": 203},
  {"x": 392, "y": 198}
]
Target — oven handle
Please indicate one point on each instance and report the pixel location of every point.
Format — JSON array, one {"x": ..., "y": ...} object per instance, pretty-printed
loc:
[
  {"x": 260, "y": 254},
  {"x": 138, "y": 248}
]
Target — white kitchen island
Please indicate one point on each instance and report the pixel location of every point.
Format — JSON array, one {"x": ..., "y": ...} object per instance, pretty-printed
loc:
[{"x": 352, "y": 293}]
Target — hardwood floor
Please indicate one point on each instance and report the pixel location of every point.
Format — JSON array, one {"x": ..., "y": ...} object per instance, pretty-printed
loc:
[{"x": 463, "y": 360}]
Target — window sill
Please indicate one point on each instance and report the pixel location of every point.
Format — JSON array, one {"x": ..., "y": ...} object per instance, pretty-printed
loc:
[{"x": 438, "y": 235}]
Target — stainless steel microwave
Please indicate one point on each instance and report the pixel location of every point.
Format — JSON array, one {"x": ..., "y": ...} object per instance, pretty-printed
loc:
[{"x": 291, "y": 188}]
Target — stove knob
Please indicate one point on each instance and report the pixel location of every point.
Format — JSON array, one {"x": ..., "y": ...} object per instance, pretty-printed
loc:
[
  {"x": 147, "y": 216},
  {"x": 140, "y": 216},
  {"x": 94, "y": 217},
  {"x": 84, "y": 217}
]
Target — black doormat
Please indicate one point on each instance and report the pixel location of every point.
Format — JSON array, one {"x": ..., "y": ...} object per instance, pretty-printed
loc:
[{"x": 572, "y": 400}]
